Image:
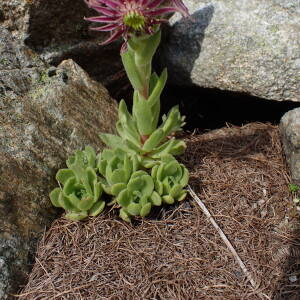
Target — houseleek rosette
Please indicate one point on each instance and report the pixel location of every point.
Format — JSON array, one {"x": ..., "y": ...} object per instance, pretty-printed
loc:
[
  {"x": 116, "y": 167},
  {"x": 138, "y": 197},
  {"x": 81, "y": 190},
  {"x": 170, "y": 177}
]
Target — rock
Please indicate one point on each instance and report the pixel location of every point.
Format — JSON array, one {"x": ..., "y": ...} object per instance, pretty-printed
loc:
[
  {"x": 20, "y": 67},
  {"x": 58, "y": 31},
  {"x": 290, "y": 133},
  {"x": 242, "y": 46},
  {"x": 38, "y": 130}
]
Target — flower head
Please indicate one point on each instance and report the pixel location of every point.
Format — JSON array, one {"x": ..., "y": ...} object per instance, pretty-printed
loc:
[{"x": 125, "y": 17}]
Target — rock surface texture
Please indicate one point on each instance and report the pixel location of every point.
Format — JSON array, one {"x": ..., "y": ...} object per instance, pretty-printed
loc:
[
  {"x": 290, "y": 132},
  {"x": 61, "y": 110},
  {"x": 57, "y": 31},
  {"x": 247, "y": 46}
]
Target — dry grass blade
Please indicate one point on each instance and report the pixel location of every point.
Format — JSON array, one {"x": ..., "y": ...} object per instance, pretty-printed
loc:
[{"x": 223, "y": 236}]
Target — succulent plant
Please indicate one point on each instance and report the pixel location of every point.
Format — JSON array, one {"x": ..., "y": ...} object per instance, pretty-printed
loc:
[
  {"x": 116, "y": 166},
  {"x": 138, "y": 197},
  {"x": 170, "y": 177},
  {"x": 148, "y": 148},
  {"x": 127, "y": 17},
  {"x": 81, "y": 188}
]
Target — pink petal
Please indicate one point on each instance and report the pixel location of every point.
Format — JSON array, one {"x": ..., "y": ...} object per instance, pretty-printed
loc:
[
  {"x": 108, "y": 27},
  {"x": 154, "y": 3},
  {"x": 113, "y": 37},
  {"x": 161, "y": 11},
  {"x": 181, "y": 7},
  {"x": 105, "y": 11},
  {"x": 111, "y": 3},
  {"x": 102, "y": 19}
]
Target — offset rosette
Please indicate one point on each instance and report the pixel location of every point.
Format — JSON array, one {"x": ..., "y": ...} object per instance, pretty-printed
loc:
[
  {"x": 138, "y": 197},
  {"x": 170, "y": 177},
  {"x": 81, "y": 189},
  {"x": 116, "y": 166}
]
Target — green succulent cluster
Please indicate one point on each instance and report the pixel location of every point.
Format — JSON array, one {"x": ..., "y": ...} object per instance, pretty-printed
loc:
[
  {"x": 138, "y": 170},
  {"x": 80, "y": 189}
]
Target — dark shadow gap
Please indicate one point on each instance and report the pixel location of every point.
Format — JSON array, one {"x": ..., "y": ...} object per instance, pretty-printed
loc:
[
  {"x": 213, "y": 108},
  {"x": 207, "y": 109}
]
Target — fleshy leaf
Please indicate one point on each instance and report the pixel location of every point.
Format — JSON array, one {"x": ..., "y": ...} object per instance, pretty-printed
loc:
[
  {"x": 156, "y": 199},
  {"x": 76, "y": 216},
  {"x": 54, "y": 195},
  {"x": 124, "y": 215},
  {"x": 154, "y": 139},
  {"x": 145, "y": 210},
  {"x": 117, "y": 188},
  {"x": 134, "y": 209},
  {"x": 97, "y": 208},
  {"x": 63, "y": 175}
]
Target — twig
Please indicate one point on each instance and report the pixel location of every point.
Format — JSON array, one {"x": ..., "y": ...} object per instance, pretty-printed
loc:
[{"x": 223, "y": 236}]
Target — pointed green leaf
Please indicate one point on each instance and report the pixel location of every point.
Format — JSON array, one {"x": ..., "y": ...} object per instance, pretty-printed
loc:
[
  {"x": 118, "y": 176},
  {"x": 86, "y": 203},
  {"x": 76, "y": 216},
  {"x": 135, "y": 184},
  {"x": 63, "y": 175},
  {"x": 153, "y": 81},
  {"x": 155, "y": 138},
  {"x": 148, "y": 185},
  {"x": 65, "y": 203},
  {"x": 69, "y": 187},
  {"x": 102, "y": 167},
  {"x": 124, "y": 215},
  {"x": 127, "y": 121},
  {"x": 132, "y": 147},
  {"x": 159, "y": 187},
  {"x": 90, "y": 156},
  {"x": 146, "y": 47},
  {"x": 113, "y": 141},
  {"x": 176, "y": 190},
  {"x": 143, "y": 200},
  {"x": 128, "y": 167},
  {"x": 117, "y": 188},
  {"x": 154, "y": 172},
  {"x": 97, "y": 190},
  {"x": 138, "y": 174},
  {"x": 144, "y": 117},
  {"x": 155, "y": 95},
  {"x": 182, "y": 195},
  {"x": 54, "y": 195},
  {"x": 156, "y": 199},
  {"x": 170, "y": 168},
  {"x": 123, "y": 198},
  {"x": 178, "y": 147},
  {"x": 134, "y": 209},
  {"x": 145, "y": 210},
  {"x": 91, "y": 175},
  {"x": 132, "y": 70},
  {"x": 148, "y": 163},
  {"x": 97, "y": 208},
  {"x": 168, "y": 199},
  {"x": 185, "y": 177}
]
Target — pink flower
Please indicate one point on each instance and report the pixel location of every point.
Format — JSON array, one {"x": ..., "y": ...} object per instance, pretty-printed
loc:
[{"x": 124, "y": 17}]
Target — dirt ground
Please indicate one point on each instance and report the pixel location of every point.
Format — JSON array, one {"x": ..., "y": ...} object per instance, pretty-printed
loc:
[{"x": 240, "y": 175}]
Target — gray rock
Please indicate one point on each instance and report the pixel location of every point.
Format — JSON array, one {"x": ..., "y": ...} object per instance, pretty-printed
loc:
[
  {"x": 38, "y": 130},
  {"x": 20, "y": 67},
  {"x": 247, "y": 46},
  {"x": 56, "y": 30},
  {"x": 290, "y": 132}
]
